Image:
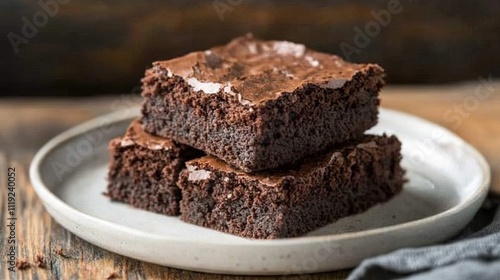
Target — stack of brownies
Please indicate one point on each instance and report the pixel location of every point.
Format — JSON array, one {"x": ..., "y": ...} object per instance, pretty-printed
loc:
[{"x": 262, "y": 139}]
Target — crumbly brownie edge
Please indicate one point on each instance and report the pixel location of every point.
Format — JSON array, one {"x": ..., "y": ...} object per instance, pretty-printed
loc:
[
  {"x": 272, "y": 134},
  {"x": 138, "y": 177},
  {"x": 353, "y": 180},
  {"x": 144, "y": 169}
]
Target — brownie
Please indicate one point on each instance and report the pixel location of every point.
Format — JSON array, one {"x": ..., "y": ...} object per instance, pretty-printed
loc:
[
  {"x": 144, "y": 170},
  {"x": 291, "y": 202},
  {"x": 260, "y": 104}
]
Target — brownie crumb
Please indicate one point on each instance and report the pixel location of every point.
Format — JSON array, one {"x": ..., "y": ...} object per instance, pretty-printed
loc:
[
  {"x": 60, "y": 252},
  {"x": 40, "y": 261},
  {"x": 22, "y": 264},
  {"x": 113, "y": 275}
]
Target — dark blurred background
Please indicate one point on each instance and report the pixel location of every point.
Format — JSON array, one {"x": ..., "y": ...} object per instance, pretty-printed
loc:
[{"x": 72, "y": 47}]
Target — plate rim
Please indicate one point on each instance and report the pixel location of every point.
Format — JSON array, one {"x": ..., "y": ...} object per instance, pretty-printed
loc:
[{"x": 47, "y": 197}]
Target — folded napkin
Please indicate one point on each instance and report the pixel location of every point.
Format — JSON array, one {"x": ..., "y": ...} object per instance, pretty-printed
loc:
[{"x": 469, "y": 256}]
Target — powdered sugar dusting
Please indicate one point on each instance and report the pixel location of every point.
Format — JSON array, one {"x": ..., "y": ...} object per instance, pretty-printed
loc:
[
  {"x": 288, "y": 74},
  {"x": 206, "y": 87},
  {"x": 243, "y": 101},
  {"x": 228, "y": 89},
  {"x": 252, "y": 48},
  {"x": 197, "y": 175},
  {"x": 312, "y": 61},
  {"x": 283, "y": 72},
  {"x": 289, "y": 48},
  {"x": 157, "y": 147},
  {"x": 126, "y": 142}
]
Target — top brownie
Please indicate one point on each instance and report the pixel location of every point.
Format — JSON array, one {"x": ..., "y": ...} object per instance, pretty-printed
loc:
[{"x": 260, "y": 104}]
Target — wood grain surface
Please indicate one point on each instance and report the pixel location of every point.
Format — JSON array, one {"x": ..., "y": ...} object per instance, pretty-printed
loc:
[{"x": 471, "y": 110}]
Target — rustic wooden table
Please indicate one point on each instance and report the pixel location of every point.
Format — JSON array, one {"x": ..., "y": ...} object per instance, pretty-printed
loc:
[{"x": 472, "y": 110}]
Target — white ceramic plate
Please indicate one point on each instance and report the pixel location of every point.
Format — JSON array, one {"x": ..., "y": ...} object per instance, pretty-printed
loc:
[{"x": 448, "y": 180}]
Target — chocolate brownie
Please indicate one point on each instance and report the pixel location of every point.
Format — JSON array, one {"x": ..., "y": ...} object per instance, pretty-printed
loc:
[
  {"x": 291, "y": 202},
  {"x": 144, "y": 170},
  {"x": 260, "y": 104}
]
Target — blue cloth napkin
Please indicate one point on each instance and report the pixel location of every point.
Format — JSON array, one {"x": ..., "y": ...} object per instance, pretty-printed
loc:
[{"x": 470, "y": 256}]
